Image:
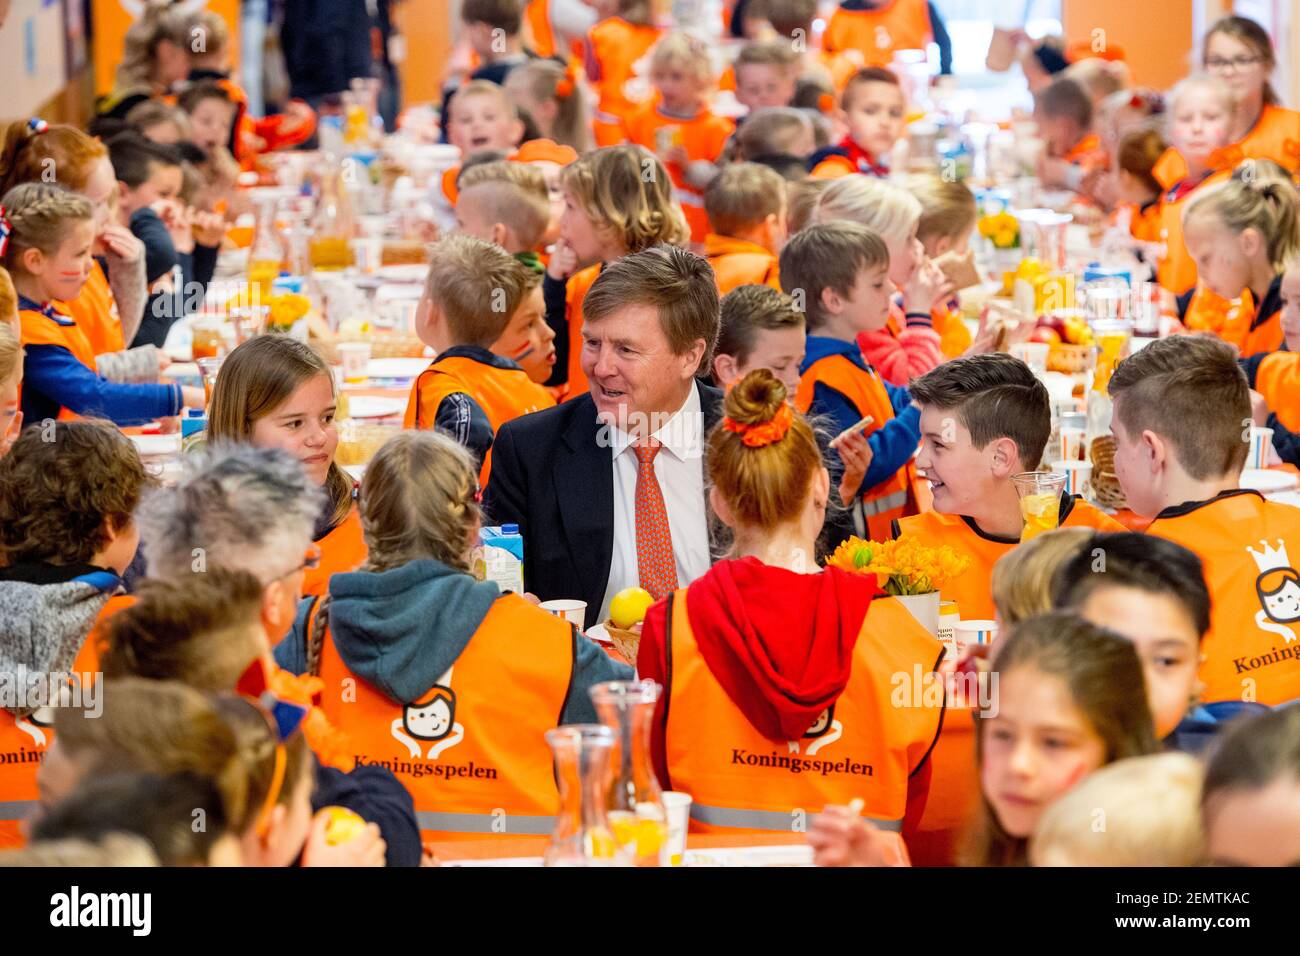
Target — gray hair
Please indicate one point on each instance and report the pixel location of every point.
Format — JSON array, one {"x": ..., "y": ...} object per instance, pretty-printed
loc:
[{"x": 236, "y": 506}]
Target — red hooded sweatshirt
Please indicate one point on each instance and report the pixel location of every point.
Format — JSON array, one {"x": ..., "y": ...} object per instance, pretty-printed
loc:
[{"x": 780, "y": 643}]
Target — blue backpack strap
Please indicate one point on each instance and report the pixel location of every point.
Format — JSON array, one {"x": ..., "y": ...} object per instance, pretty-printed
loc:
[{"x": 105, "y": 582}]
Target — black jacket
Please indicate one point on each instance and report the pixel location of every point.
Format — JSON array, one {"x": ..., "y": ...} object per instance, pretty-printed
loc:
[{"x": 552, "y": 477}]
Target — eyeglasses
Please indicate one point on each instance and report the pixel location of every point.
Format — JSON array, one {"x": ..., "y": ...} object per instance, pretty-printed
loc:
[
  {"x": 1218, "y": 63},
  {"x": 311, "y": 561}
]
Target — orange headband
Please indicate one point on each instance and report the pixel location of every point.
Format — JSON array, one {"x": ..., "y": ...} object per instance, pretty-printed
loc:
[{"x": 762, "y": 433}]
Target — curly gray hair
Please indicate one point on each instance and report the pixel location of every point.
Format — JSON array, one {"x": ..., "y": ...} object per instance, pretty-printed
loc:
[{"x": 237, "y": 507}]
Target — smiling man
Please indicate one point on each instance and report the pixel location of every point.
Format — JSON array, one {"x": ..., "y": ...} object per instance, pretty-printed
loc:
[{"x": 608, "y": 489}]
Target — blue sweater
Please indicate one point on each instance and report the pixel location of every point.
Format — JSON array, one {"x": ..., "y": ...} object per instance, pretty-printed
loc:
[{"x": 893, "y": 444}]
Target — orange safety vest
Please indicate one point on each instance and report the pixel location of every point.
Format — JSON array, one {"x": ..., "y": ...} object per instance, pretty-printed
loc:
[
  {"x": 23, "y": 745},
  {"x": 471, "y": 751},
  {"x": 537, "y": 16},
  {"x": 889, "y": 499},
  {"x": 1278, "y": 379},
  {"x": 614, "y": 46},
  {"x": 1144, "y": 221},
  {"x": 95, "y": 312},
  {"x": 738, "y": 262},
  {"x": 1176, "y": 271},
  {"x": 954, "y": 336},
  {"x": 841, "y": 65},
  {"x": 973, "y": 588},
  {"x": 1250, "y": 651},
  {"x": 575, "y": 290},
  {"x": 1235, "y": 321},
  {"x": 39, "y": 329},
  {"x": 865, "y": 745},
  {"x": 343, "y": 549},
  {"x": 876, "y": 34},
  {"x": 704, "y": 137},
  {"x": 504, "y": 394},
  {"x": 1088, "y": 153},
  {"x": 1275, "y": 136}
]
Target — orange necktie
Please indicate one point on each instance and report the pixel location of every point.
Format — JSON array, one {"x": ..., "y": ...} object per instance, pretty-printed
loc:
[{"x": 656, "y": 569}]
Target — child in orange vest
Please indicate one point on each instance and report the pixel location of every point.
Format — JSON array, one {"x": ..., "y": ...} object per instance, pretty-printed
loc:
[
  {"x": 793, "y": 22},
  {"x": 1240, "y": 235},
  {"x": 765, "y": 74},
  {"x": 983, "y": 419},
  {"x": 760, "y": 328},
  {"x": 68, "y": 493},
  {"x": 473, "y": 291},
  {"x": 948, "y": 215},
  {"x": 1058, "y": 678},
  {"x": 613, "y": 57},
  {"x": 480, "y": 118},
  {"x": 678, "y": 125},
  {"x": 1252, "y": 774},
  {"x": 1137, "y": 191},
  {"x": 1064, "y": 114},
  {"x": 47, "y": 238},
  {"x": 492, "y": 29},
  {"x": 456, "y": 706},
  {"x": 909, "y": 344},
  {"x": 275, "y": 392},
  {"x": 616, "y": 200},
  {"x": 1179, "y": 450},
  {"x": 807, "y": 677},
  {"x": 1200, "y": 115},
  {"x": 838, "y": 273},
  {"x": 878, "y": 28},
  {"x": 1153, "y": 592},
  {"x": 1275, "y": 376},
  {"x": 873, "y": 109},
  {"x": 745, "y": 203}
]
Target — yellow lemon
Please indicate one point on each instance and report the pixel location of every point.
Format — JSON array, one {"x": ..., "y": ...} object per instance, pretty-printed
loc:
[
  {"x": 629, "y": 606},
  {"x": 342, "y": 825}
]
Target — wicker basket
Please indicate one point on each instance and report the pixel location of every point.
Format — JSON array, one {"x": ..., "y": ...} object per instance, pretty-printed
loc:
[
  {"x": 382, "y": 345},
  {"x": 404, "y": 252},
  {"x": 627, "y": 643},
  {"x": 1106, "y": 489},
  {"x": 1070, "y": 359}
]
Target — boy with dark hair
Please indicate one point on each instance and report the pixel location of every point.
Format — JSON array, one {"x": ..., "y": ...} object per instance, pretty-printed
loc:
[
  {"x": 983, "y": 420},
  {"x": 1153, "y": 592},
  {"x": 1182, "y": 426},
  {"x": 837, "y": 272}
]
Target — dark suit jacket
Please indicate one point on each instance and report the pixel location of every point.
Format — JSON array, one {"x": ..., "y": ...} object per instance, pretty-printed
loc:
[{"x": 552, "y": 478}]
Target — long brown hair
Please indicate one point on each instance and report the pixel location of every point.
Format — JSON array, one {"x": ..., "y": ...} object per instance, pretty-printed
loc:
[
  {"x": 1251, "y": 34},
  {"x": 626, "y": 188},
  {"x": 766, "y": 485},
  {"x": 257, "y": 377},
  {"x": 1103, "y": 675}
]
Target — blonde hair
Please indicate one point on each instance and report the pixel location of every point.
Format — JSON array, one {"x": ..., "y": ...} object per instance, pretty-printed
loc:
[
  {"x": 1143, "y": 811},
  {"x": 765, "y": 486},
  {"x": 1260, "y": 195},
  {"x": 882, "y": 207},
  {"x": 1198, "y": 81},
  {"x": 1022, "y": 578},
  {"x": 484, "y": 88},
  {"x": 948, "y": 207},
  {"x": 476, "y": 286},
  {"x": 636, "y": 12},
  {"x": 214, "y": 32},
  {"x": 742, "y": 196},
  {"x": 1099, "y": 78},
  {"x": 155, "y": 112},
  {"x": 544, "y": 79},
  {"x": 160, "y": 21},
  {"x": 627, "y": 189},
  {"x": 680, "y": 48},
  {"x": 768, "y": 53},
  {"x": 419, "y": 500},
  {"x": 112, "y": 849},
  {"x": 801, "y": 199},
  {"x": 11, "y": 354},
  {"x": 41, "y": 217},
  {"x": 510, "y": 193}
]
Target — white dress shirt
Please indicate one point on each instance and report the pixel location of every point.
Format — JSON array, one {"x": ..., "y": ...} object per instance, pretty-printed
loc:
[{"x": 679, "y": 468}]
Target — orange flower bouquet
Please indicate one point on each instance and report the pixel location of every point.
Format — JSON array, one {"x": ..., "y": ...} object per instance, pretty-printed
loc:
[{"x": 902, "y": 566}]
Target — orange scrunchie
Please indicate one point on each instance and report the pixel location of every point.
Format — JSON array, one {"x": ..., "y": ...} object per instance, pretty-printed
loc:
[
  {"x": 762, "y": 433},
  {"x": 567, "y": 83}
]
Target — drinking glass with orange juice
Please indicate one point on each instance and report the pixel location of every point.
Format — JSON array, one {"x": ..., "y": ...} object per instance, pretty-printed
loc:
[{"x": 1040, "y": 501}]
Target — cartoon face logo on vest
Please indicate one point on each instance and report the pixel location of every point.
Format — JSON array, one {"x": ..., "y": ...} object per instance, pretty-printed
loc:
[
  {"x": 822, "y": 723},
  {"x": 433, "y": 717}
]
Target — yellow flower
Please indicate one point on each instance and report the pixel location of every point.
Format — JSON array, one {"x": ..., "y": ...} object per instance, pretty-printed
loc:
[{"x": 902, "y": 565}]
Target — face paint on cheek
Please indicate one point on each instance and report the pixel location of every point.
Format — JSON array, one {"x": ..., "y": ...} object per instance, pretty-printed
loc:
[{"x": 522, "y": 353}]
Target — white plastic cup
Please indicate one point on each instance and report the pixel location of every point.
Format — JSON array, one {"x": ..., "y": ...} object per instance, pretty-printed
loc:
[
  {"x": 575, "y": 612},
  {"x": 1072, "y": 440},
  {"x": 678, "y": 807},
  {"x": 368, "y": 254},
  {"x": 966, "y": 633},
  {"x": 355, "y": 357},
  {"x": 1078, "y": 476},
  {"x": 1261, "y": 441}
]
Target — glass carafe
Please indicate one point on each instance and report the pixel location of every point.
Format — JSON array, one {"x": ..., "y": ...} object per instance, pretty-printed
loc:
[
  {"x": 582, "y": 834},
  {"x": 332, "y": 226},
  {"x": 634, "y": 803},
  {"x": 265, "y": 255}
]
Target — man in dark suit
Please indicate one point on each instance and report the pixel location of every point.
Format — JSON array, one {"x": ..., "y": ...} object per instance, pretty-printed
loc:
[{"x": 608, "y": 488}]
